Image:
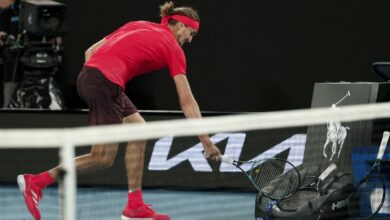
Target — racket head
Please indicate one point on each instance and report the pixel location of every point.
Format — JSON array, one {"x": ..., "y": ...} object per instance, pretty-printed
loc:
[
  {"x": 368, "y": 197},
  {"x": 276, "y": 178}
]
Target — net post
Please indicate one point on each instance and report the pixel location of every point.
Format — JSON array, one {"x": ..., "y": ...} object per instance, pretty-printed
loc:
[{"x": 67, "y": 154}]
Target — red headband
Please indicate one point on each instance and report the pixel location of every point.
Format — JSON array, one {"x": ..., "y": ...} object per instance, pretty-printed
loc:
[{"x": 183, "y": 19}]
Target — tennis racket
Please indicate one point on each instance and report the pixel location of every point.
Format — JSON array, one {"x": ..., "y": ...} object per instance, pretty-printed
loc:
[
  {"x": 370, "y": 193},
  {"x": 275, "y": 178},
  {"x": 306, "y": 193}
]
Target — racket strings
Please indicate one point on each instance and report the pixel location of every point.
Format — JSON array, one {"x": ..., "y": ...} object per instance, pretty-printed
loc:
[
  {"x": 264, "y": 173},
  {"x": 267, "y": 177}
]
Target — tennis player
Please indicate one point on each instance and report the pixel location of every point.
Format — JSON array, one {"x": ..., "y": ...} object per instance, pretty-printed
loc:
[{"x": 134, "y": 49}]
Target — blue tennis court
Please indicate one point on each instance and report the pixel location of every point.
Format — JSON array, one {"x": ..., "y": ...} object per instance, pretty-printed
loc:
[{"x": 107, "y": 204}]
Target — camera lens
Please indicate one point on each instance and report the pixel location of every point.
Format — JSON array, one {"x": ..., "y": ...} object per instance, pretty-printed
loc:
[{"x": 50, "y": 20}]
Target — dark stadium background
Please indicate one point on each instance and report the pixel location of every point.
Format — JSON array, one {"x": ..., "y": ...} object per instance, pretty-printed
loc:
[{"x": 249, "y": 55}]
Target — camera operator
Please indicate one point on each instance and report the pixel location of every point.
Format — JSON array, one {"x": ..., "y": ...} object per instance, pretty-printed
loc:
[{"x": 9, "y": 29}]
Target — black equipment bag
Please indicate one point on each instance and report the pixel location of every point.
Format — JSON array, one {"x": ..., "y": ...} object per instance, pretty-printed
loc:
[{"x": 332, "y": 204}]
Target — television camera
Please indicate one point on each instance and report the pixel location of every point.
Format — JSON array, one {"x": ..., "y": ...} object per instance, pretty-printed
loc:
[{"x": 36, "y": 51}]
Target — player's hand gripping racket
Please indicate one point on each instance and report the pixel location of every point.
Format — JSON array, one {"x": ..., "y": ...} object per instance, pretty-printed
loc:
[
  {"x": 306, "y": 193},
  {"x": 281, "y": 174},
  {"x": 370, "y": 193}
]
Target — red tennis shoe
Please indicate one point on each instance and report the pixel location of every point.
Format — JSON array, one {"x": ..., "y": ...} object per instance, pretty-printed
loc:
[
  {"x": 32, "y": 194},
  {"x": 144, "y": 212}
]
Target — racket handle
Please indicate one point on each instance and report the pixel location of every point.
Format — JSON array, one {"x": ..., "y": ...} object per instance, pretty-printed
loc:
[
  {"x": 383, "y": 145},
  {"x": 328, "y": 171},
  {"x": 227, "y": 159}
]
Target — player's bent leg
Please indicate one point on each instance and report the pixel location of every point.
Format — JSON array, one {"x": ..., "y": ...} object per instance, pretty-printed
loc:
[
  {"x": 135, "y": 153},
  {"x": 31, "y": 186},
  {"x": 134, "y": 157},
  {"x": 134, "y": 118},
  {"x": 102, "y": 156}
]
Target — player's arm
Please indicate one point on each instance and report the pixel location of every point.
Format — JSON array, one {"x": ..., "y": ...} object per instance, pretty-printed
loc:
[
  {"x": 191, "y": 110},
  {"x": 92, "y": 49}
]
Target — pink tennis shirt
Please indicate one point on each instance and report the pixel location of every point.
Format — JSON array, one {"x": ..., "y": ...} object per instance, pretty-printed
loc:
[{"x": 137, "y": 48}]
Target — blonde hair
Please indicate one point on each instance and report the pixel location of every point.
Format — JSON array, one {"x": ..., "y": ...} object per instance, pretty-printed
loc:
[{"x": 168, "y": 8}]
